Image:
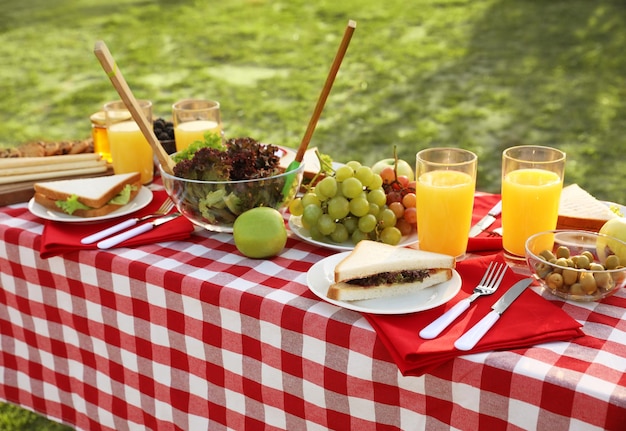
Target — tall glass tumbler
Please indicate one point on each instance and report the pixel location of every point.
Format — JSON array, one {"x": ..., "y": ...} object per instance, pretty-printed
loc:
[
  {"x": 130, "y": 150},
  {"x": 446, "y": 181},
  {"x": 193, "y": 118},
  {"x": 532, "y": 179}
]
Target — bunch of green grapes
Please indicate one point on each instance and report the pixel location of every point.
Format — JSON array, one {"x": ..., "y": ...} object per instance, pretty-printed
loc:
[{"x": 349, "y": 205}]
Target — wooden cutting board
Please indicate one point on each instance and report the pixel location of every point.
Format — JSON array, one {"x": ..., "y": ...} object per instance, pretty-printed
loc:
[{"x": 23, "y": 191}]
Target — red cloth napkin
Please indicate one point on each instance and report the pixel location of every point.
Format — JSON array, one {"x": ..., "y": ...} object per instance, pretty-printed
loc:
[
  {"x": 530, "y": 320},
  {"x": 483, "y": 202},
  {"x": 59, "y": 238}
]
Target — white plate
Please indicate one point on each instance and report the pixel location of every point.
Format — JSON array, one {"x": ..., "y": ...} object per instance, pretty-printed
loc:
[
  {"x": 143, "y": 198},
  {"x": 321, "y": 276},
  {"x": 295, "y": 224}
]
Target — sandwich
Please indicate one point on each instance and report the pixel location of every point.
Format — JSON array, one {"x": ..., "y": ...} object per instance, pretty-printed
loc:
[
  {"x": 376, "y": 270},
  {"x": 578, "y": 209},
  {"x": 88, "y": 197}
]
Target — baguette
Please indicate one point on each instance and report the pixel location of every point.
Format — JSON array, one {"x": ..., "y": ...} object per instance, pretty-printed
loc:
[
  {"x": 22, "y": 162},
  {"x": 52, "y": 167},
  {"x": 39, "y": 176},
  {"x": 46, "y": 149}
]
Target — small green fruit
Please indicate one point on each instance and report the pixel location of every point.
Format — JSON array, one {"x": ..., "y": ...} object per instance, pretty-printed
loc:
[
  {"x": 615, "y": 228},
  {"x": 404, "y": 168},
  {"x": 260, "y": 233}
]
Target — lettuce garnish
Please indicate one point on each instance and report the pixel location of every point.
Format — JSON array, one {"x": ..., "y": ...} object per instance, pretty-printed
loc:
[
  {"x": 123, "y": 197},
  {"x": 72, "y": 204}
]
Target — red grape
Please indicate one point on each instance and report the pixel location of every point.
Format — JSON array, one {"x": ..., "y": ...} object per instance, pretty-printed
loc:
[
  {"x": 410, "y": 215},
  {"x": 409, "y": 200},
  {"x": 397, "y": 208}
]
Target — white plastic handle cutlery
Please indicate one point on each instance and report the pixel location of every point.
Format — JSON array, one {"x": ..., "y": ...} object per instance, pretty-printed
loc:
[
  {"x": 468, "y": 340},
  {"x": 146, "y": 227},
  {"x": 165, "y": 207},
  {"x": 488, "y": 284},
  {"x": 110, "y": 231}
]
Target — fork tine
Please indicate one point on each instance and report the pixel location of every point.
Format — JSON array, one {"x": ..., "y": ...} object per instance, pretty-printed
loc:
[
  {"x": 166, "y": 206},
  {"x": 487, "y": 273},
  {"x": 494, "y": 274},
  {"x": 500, "y": 276},
  {"x": 492, "y": 270}
]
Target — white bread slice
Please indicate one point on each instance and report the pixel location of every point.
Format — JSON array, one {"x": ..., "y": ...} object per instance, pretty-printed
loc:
[
  {"x": 348, "y": 292},
  {"x": 578, "y": 209},
  {"x": 92, "y": 212},
  {"x": 93, "y": 192},
  {"x": 372, "y": 257}
]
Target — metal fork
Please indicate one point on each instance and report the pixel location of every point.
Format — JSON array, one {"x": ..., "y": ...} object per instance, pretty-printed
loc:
[
  {"x": 486, "y": 286},
  {"x": 165, "y": 208}
]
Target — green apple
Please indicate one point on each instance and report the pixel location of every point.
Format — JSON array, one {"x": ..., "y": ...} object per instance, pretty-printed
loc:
[
  {"x": 403, "y": 167},
  {"x": 260, "y": 233},
  {"x": 615, "y": 228}
]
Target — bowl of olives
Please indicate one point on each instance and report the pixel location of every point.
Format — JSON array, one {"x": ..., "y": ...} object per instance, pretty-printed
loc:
[{"x": 576, "y": 265}]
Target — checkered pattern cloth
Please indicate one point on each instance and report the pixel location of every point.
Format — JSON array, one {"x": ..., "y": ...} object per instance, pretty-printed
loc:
[{"x": 190, "y": 335}]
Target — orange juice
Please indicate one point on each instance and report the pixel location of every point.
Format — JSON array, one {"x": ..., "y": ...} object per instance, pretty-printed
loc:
[
  {"x": 530, "y": 204},
  {"x": 130, "y": 150},
  {"x": 445, "y": 200},
  {"x": 99, "y": 135},
  {"x": 190, "y": 131}
]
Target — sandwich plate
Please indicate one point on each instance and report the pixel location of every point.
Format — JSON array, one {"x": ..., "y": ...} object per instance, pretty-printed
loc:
[
  {"x": 295, "y": 224},
  {"x": 321, "y": 276},
  {"x": 143, "y": 198}
]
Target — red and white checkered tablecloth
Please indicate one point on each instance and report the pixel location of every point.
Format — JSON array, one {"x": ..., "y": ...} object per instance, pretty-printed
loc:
[{"x": 189, "y": 335}]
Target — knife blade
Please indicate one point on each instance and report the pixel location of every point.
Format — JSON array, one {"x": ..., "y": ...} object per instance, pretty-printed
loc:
[
  {"x": 146, "y": 227},
  {"x": 486, "y": 221},
  {"x": 468, "y": 340}
]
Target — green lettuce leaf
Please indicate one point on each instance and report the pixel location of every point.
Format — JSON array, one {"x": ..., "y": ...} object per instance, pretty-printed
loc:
[
  {"x": 71, "y": 204},
  {"x": 123, "y": 197}
]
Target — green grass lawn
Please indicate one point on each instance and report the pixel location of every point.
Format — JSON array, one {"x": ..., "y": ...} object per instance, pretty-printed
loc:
[{"x": 482, "y": 74}]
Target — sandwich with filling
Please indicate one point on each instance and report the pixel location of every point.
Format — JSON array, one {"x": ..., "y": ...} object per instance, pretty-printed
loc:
[
  {"x": 88, "y": 197},
  {"x": 375, "y": 270}
]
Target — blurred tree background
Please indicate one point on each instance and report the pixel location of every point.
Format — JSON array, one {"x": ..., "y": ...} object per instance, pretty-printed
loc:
[{"x": 482, "y": 75}]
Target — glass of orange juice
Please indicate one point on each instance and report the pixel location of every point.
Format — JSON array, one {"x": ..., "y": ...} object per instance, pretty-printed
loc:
[
  {"x": 193, "y": 118},
  {"x": 532, "y": 179},
  {"x": 446, "y": 181},
  {"x": 130, "y": 150}
]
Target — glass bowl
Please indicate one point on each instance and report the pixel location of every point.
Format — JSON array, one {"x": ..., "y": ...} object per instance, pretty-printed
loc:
[
  {"x": 569, "y": 277},
  {"x": 215, "y": 205}
]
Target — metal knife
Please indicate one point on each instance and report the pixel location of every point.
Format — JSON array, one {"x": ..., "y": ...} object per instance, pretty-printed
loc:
[
  {"x": 486, "y": 221},
  {"x": 468, "y": 340},
  {"x": 146, "y": 227}
]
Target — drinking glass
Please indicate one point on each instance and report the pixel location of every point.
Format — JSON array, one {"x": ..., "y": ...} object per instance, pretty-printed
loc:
[
  {"x": 532, "y": 179},
  {"x": 193, "y": 118},
  {"x": 446, "y": 181},
  {"x": 130, "y": 150},
  {"x": 99, "y": 135}
]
